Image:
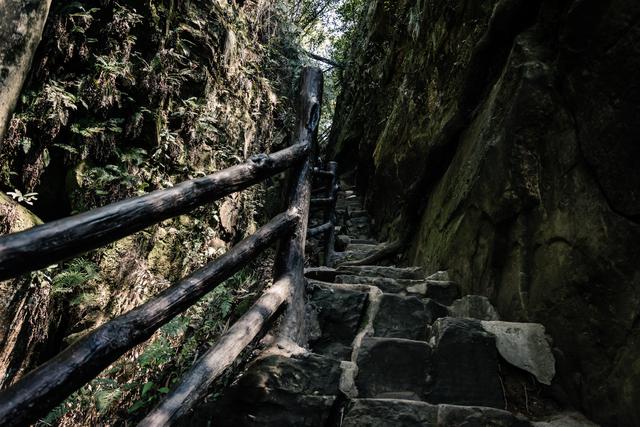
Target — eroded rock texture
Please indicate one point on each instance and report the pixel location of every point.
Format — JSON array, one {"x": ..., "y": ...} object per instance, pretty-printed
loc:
[
  {"x": 505, "y": 132},
  {"x": 21, "y": 25}
]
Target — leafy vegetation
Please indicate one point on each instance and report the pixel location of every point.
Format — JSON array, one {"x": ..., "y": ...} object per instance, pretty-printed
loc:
[
  {"x": 125, "y": 98},
  {"x": 136, "y": 382},
  {"x": 128, "y": 97}
]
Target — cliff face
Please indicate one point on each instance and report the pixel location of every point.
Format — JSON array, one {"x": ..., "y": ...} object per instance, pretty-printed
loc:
[{"x": 501, "y": 138}]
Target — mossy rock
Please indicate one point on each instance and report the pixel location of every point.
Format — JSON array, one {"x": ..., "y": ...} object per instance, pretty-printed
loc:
[{"x": 14, "y": 217}]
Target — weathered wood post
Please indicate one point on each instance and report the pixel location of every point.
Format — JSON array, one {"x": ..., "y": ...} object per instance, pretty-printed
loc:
[
  {"x": 289, "y": 262},
  {"x": 330, "y": 236},
  {"x": 21, "y": 26}
]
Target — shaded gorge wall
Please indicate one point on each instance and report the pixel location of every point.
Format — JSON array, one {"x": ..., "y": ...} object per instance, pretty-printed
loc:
[{"x": 498, "y": 140}]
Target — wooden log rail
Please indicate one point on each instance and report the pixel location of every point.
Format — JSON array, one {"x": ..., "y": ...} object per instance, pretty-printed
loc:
[
  {"x": 47, "y": 244},
  {"x": 41, "y": 390}
]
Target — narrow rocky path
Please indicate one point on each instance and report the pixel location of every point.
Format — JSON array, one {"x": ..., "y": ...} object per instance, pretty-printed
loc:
[{"x": 396, "y": 346}]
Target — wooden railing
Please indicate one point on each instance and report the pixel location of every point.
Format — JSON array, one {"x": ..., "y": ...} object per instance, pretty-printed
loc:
[
  {"x": 47, "y": 386},
  {"x": 329, "y": 203}
]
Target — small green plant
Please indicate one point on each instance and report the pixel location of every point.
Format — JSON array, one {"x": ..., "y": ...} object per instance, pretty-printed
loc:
[{"x": 77, "y": 273}]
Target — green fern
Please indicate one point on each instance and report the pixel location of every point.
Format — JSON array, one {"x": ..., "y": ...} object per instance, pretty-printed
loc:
[{"x": 75, "y": 275}]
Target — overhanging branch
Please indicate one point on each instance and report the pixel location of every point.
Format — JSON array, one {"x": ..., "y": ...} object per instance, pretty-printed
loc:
[{"x": 323, "y": 59}]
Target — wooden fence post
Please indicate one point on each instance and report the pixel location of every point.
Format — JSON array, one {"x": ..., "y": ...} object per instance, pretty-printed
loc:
[{"x": 290, "y": 257}]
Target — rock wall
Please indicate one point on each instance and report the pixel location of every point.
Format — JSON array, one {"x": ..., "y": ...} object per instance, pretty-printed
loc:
[{"x": 499, "y": 139}]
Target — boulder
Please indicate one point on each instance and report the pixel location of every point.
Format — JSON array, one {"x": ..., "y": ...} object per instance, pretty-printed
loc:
[
  {"x": 525, "y": 346},
  {"x": 475, "y": 307}
]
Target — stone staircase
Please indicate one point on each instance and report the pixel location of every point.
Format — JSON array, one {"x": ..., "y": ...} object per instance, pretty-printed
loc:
[{"x": 395, "y": 346}]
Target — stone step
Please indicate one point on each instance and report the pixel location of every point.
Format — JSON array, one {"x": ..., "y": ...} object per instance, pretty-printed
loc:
[
  {"x": 464, "y": 364},
  {"x": 364, "y": 242},
  {"x": 335, "y": 320},
  {"x": 406, "y": 413},
  {"x": 387, "y": 285},
  {"x": 406, "y": 317},
  {"x": 280, "y": 391},
  {"x": 359, "y": 213},
  {"x": 392, "y": 365},
  {"x": 356, "y": 252},
  {"x": 414, "y": 273},
  {"x": 350, "y": 256},
  {"x": 363, "y": 247}
]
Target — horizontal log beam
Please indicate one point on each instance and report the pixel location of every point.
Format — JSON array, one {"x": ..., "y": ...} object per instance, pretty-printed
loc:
[
  {"x": 195, "y": 384},
  {"x": 323, "y": 59},
  {"x": 47, "y": 386},
  {"x": 58, "y": 240},
  {"x": 321, "y": 229}
]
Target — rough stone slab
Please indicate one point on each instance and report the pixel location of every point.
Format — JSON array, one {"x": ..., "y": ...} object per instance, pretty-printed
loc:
[
  {"x": 454, "y": 416},
  {"x": 569, "y": 419},
  {"x": 465, "y": 364},
  {"x": 309, "y": 374},
  {"x": 475, "y": 307},
  {"x": 414, "y": 273},
  {"x": 355, "y": 253},
  {"x": 440, "y": 276},
  {"x": 342, "y": 242},
  {"x": 402, "y": 317},
  {"x": 524, "y": 345},
  {"x": 387, "y": 285},
  {"x": 278, "y": 391},
  {"x": 443, "y": 292},
  {"x": 274, "y": 408},
  {"x": 403, "y": 413},
  {"x": 389, "y": 413},
  {"x": 391, "y": 365},
  {"x": 338, "y": 314},
  {"x": 406, "y": 317}
]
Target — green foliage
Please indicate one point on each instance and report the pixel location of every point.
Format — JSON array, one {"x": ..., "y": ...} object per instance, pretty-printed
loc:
[
  {"x": 74, "y": 276},
  {"x": 90, "y": 128},
  {"x": 124, "y": 101}
]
